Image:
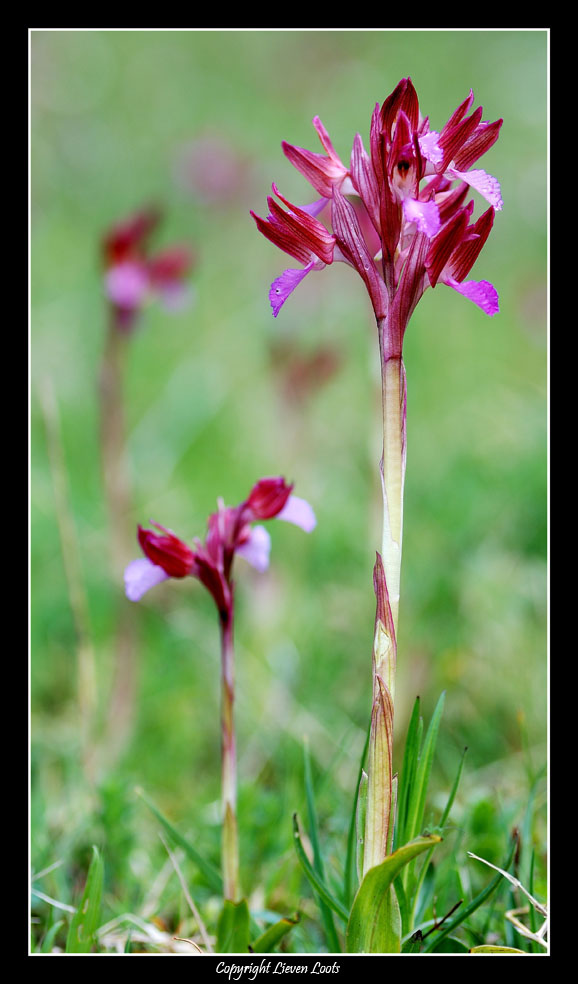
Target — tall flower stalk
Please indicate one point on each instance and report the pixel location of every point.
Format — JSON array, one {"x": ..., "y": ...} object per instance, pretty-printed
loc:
[
  {"x": 398, "y": 215},
  {"x": 230, "y": 532},
  {"x": 132, "y": 277}
]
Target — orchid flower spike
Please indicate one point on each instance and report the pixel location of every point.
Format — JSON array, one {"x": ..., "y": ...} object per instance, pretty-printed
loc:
[
  {"x": 397, "y": 213},
  {"x": 231, "y": 531}
]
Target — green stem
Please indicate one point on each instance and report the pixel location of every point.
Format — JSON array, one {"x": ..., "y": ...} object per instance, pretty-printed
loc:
[
  {"x": 393, "y": 469},
  {"x": 118, "y": 496},
  {"x": 387, "y": 576},
  {"x": 230, "y": 843}
]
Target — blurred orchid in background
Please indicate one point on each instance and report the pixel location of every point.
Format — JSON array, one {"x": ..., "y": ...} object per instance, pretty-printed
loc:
[
  {"x": 133, "y": 276},
  {"x": 213, "y": 170}
]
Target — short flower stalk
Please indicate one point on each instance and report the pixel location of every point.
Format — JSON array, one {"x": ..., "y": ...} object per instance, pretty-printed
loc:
[
  {"x": 398, "y": 215},
  {"x": 231, "y": 531}
]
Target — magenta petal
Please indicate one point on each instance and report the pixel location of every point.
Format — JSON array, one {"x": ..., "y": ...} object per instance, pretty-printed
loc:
[
  {"x": 299, "y": 512},
  {"x": 126, "y": 284},
  {"x": 256, "y": 549},
  {"x": 430, "y": 148},
  {"x": 140, "y": 575},
  {"x": 315, "y": 208},
  {"x": 285, "y": 285},
  {"x": 426, "y": 215},
  {"x": 482, "y": 182},
  {"x": 481, "y": 292}
]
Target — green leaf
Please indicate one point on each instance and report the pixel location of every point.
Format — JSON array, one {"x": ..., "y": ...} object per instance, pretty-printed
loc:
[
  {"x": 417, "y": 885},
  {"x": 451, "y": 944},
  {"x": 352, "y": 854},
  {"x": 418, "y": 791},
  {"x": 326, "y": 913},
  {"x": 360, "y": 826},
  {"x": 209, "y": 872},
  {"x": 48, "y": 941},
  {"x": 413, "y": 945},
  {"x": 408, "y": 769},
  {"x": 233, "y": 928},
  {"x": 85, "y": 921},
  {"x": 497, "y": 949},
  {"x": 314, "y": 879},
  {"x": 268, "y": 940},
  {"x": 454, "y": 790},
  {"x": 374, "y": 923}
]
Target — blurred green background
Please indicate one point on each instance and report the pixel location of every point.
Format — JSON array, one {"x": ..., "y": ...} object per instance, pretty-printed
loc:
[{"x": 217, "y": 396}]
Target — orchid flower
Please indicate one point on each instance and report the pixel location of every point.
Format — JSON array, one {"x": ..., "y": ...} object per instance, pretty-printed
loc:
[
  {"x": 132, "y": 276},
  {"x": 405, "y": 186},
  {"x": 231, "y": 531},
  {"x": 398, "y": 215}
]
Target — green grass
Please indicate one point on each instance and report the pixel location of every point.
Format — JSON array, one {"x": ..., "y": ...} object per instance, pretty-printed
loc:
[{"x": 208, "y": 414}]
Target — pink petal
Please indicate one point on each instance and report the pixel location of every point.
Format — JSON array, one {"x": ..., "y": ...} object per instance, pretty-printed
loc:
[
  {"x": 126, "y": 284},
  {"x": 481, "y": 292},
  {"x": 429, "y": 147},
  {"x": 315, "y": 208},
  {"x": 484, "y": 183},
  {"x": 256, "y": 549},
  {"x": 426, "y": 215},
  {"x": 140, "y": 575},
  {"x": 285, "y": 285},
  {"x": 298, "y": 511}
]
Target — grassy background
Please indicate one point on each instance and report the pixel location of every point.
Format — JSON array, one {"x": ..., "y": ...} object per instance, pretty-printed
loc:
[{"x": 212, "y": 406}]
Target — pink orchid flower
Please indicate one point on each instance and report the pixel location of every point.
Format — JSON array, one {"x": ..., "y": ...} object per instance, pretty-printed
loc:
[
  {"x": 406, "y": 186},
  {"x": 133, "y": 276},
  {"x": 230, "y": 532}
]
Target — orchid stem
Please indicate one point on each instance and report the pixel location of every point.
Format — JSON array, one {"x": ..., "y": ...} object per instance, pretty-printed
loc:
[
  {"x": 393, "y": 471},
  {"x": 230, "y": 844},
  {"x": 380, "y": 792},
  {"x": 117, "y": 492}
]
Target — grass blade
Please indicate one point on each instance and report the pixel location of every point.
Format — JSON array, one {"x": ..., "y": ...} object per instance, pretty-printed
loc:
[
  {"x": 408, "y": 769},
  {"x": 268, "y": 940},
  {"x": 416, "y": 889},
  {"x": 471, "y": 907},
  {"x": 326, "y": 913},
  {"x": 316, "y": 882},
  {"x": 352, "y": 849},
  {"x": 85, "y": 921},
  {"x": 210, "y": 873},
  {"x": 418, "y": 791}
]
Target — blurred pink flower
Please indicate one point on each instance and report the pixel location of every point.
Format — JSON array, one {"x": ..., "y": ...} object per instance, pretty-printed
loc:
[
  {"x": 133, "y": 276},
  {"x": 212, "y": 169}
]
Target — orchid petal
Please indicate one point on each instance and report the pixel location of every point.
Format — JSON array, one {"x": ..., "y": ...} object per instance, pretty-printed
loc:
[
  {"x": 140, "y": 576},
  {"x": 299, "y": 512},
  {"x": 481, "y": 292},
  {"x": 315, "y": 208},
  {"x": 484, "y": 183},
  {"x": 126, "y": 284},
  {"x": 284, "y": 285},
  {"x": 430, "y": 148},
  {"x": 256, "y": 549},
  {"x": 425, "y": 215}
]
